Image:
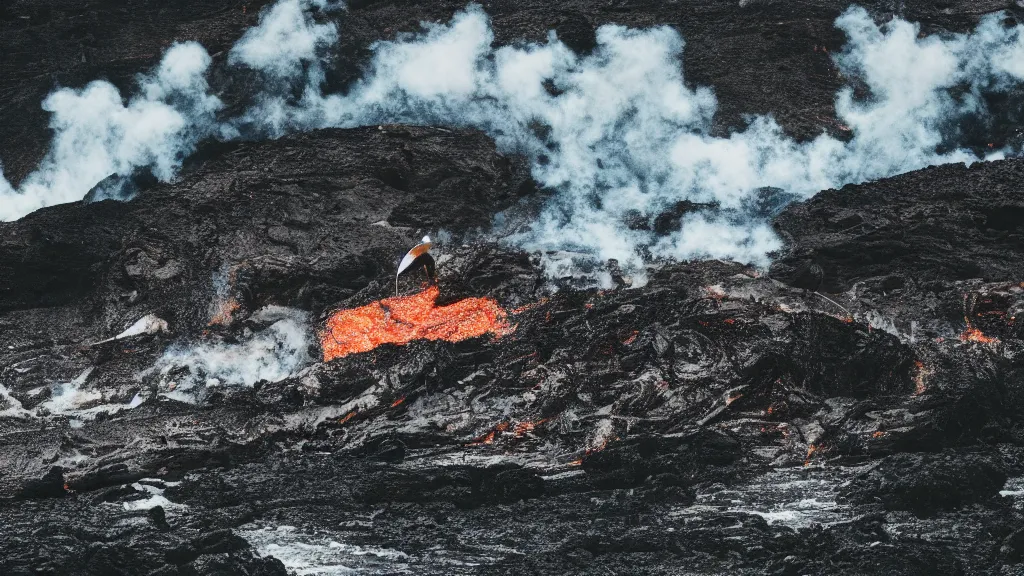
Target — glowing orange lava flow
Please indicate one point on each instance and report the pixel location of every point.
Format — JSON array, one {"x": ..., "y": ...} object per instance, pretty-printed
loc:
[
  {"x": 402, "y": 319},
  {"x": 972, "y": 334}
]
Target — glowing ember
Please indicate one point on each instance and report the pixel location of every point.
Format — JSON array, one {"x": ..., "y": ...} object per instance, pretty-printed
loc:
[
  {"x": 523, "y": 428},
  {"x": 347, "y": 417},
  {"x": 489, "y": 437},
  {"x": 919, "y": 377},
  {"x": 398, "y": 402},
  {"x": 811, "y": 449},
  {"x": 524, "y": 357},
  {"x": 632, "y": 338},
  {"x": 972, "y": 334},
  {"x": 592, "y": 450},
  {"x": 878, "y": 434},
  {"x": 225, "y": 310},
  {"x": 715, "y": 292},
  {"x": 403, "y": 319}
]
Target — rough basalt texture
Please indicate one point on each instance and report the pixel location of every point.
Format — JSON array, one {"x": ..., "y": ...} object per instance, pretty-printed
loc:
[
  {"x": 855, "y": 410},
  {"x": 922, "y": 226}
]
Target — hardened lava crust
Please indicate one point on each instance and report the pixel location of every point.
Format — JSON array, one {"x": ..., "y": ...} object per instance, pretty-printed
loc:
[{"x": 855, "y": 408}]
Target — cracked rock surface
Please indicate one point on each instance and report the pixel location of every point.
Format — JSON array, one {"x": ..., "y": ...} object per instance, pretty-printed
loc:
[{"x": 858, "y": 408}]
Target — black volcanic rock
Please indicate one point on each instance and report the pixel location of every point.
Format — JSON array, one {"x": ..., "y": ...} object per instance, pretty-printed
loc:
[
  {"x": 711, "y": 418},
  {"x": 51, "y": 485},
  {"x": 319, "y": 202},
  {"x": 927, "y": 483},
  {"x": 945, "y": 223}
]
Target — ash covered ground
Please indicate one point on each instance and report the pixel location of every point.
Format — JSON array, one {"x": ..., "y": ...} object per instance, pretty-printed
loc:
[{"x": 855, "y": 406}]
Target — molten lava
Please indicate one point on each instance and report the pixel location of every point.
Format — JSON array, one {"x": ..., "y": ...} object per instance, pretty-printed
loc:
[
  {"x": 811, "y": 449},
  {"x": 402, "y": 319},
  {"x": 486, "y": 439},
  {"x": 489, "y": 437},
  {"x": 972, "y": 334}
]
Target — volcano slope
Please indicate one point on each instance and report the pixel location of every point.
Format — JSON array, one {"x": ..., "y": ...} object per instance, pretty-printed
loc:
[
  {"x": 856, "y": 410},
  {"x": 714, "y": 420}
]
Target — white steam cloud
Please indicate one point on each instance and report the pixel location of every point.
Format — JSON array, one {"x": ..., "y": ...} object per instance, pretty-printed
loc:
[
  {"x": 617, "y": 133},
  {"x": 621, "y": 133},
  {"x": 272, "y": 354},
  {"x": 287, "y": 37},
  {"x": 97, "y": 135}
]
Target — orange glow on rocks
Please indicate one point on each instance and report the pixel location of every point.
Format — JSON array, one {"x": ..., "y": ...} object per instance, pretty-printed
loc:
[
  {"x": 224, "y": 312},
  {"x": 402, "y": 319},
  {"x": 489, "y": 437},
  {"x": 920, "y": 375},
  {"x": 524, "y": 428},
  {"x": 811, "y": 449},
  {"x": 974, "y": 335}
]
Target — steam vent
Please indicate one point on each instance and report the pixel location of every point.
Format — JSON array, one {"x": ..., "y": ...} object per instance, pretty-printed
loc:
[{"x": 547, "y": 288}]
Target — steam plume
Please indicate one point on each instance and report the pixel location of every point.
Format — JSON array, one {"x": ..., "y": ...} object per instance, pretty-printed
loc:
[
  {"x": 621, "y": 132},
  {"x": 617, "y": 133},
  {"x": 97, "y": 135},
  {"x": 271, "y": 354}
]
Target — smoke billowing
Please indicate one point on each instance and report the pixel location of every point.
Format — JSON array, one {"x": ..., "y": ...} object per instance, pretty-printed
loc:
[
  {"x": 272, "y": 354},
  {"x": 617, "y": 132},
  {"x": 96, "y": 134}
]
